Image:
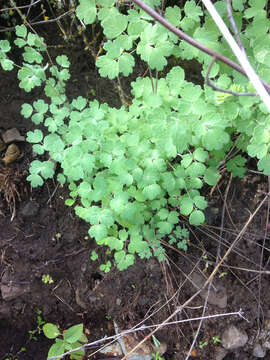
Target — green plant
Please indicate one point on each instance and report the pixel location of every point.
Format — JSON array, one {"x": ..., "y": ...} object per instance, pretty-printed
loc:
[
  {"x": 69, "y": 339},
  {"x": 133, "y": 172},
  {"x": 157, "y": 356},
  {"x": 33, "y": 334},
  {"x": 179, "y": 236},
  {"x": 47, "y": 279},
  {"x": 202, "y": 344},
  {"x": 216, "y": 339}
]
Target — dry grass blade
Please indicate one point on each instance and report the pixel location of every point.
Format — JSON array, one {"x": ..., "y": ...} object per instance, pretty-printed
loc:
[{"x": 10, "y": 181}]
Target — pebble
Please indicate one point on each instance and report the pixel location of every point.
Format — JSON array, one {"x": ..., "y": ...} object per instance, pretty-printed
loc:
[
  {"x": 258, "y": 351},
  {"x": 12, "y": 135},
  {"x": 217, "y": 296},
  {"x": 233, "y": 338}
]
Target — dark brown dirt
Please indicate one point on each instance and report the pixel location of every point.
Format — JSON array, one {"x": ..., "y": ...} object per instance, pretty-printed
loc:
[{"x": 45, "y": 237}]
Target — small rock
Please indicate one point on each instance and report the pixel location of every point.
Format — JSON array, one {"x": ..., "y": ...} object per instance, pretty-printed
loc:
[
  {"x": 12, "y": 135},
  {"x": 10, "y": 292},
  {"x": 10, "y": 289},
  {"x": 233, "y": 338},
  {"x": 258, "y": 351},
  {"x": 217, "y": 296},
  {"x": 29, "y": 209},
  {"x": 220, "y": 353}
]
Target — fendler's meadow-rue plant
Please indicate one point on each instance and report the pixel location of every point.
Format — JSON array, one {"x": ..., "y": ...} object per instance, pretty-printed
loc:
[{"x": 132, "y": 172}]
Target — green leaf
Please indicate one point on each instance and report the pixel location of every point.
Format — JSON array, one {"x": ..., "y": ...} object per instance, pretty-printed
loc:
[
  {"x": 186, "y": 205},
  {"x": 21, "y": 31},
  {"x": 176, "y": 79},
  {"x": 63, "y": 61},
  {"x": 7, "y": 64},
  {"x": 35, "y": 180},
  {"x": 114, "y": 23},
  {"x": 114, "y": 243},
  {"x": 94, "y": 255},
  {"x": 173, "y": 14},
  {"x": 264, "y": 164},
  {"x": 123, "y": 260},
  {"x": 31, "y": 76},
  {"x": 56, "y": 349},
  {"x": 106, "y": 267},
  {"x": 236, "y": 166},
  {"x": 193, "y": 11},
  {"x": 191, "y": 92},
  {"x": 26, "y": 110},
  {"x": 51, "y": 331},
  {"x": 196, "y": 218},
  {"x": 173, "y": 217},
  {"x": 196, "y": 169},
  {"x": 32, "y": 55},
  {"x": 200, "y": 202},
  {"x": 107, "y": 67},
  {"x": 152, "y": 191},
  {"x": 211, "y": 176},
  {"x": 38, "y": 149},
  {"x": 41, "y": 106},
  {"x": 238, "y": 5},
  {"x": 164, "y": 227},
  {"x": 34, "y": 136},
  {"x": 215, "y": 139},
  {"x": 154, "y": 47},
  {"x": 98, "y": 231},
  {"x": 45, "y": 168},
  {"x": 37, "y": 118},
  {"x": 200, "y": 154},
  {"x": 19, "y": 42},
  {"x": 74, "y": 333},
  {"x": 79, "y": 103},
  {"x": 86, "y": 11}
]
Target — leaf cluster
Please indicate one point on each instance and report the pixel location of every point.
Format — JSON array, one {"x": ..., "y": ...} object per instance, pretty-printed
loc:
[
  {"x": 133, "y": 173},
  {"x": 70, "y": 339}
]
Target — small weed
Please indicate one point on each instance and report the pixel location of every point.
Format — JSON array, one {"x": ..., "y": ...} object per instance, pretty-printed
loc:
[
  {"x": 38, "y": 330},
  {"x": 68, "y": 339},
  {"x": 216, "y": 339},
  {"x": 202, "y": 344},
  {"x": 47, "y": 279},
  {"x": 157, "y": 356}
]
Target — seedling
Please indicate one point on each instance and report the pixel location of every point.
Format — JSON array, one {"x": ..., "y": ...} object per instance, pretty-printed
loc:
[
  {"x": 33, "y": 334},
  {"x": 67, "y": 340},
  {"x": 202, "y": 344},
  {"x": 216, "y": 339},
  {"x": 47, "y": 279}
]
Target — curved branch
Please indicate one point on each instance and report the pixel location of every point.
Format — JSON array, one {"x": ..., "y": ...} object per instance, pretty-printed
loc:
[
  {"x": 191, "y": 41},
  {"x": 214, "y": 87}
]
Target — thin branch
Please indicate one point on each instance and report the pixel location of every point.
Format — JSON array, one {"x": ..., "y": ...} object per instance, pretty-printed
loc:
[
  {"x": 142, "y": 328},
  {"x": 41, "y": 22},
  {"x": 20, "y": 7},
  {"x": 191, "y": 41},
  {"x": 214, "y": 87},
  {"x": 235, "y": 29},
  {"x": 241, "y": 57}
]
